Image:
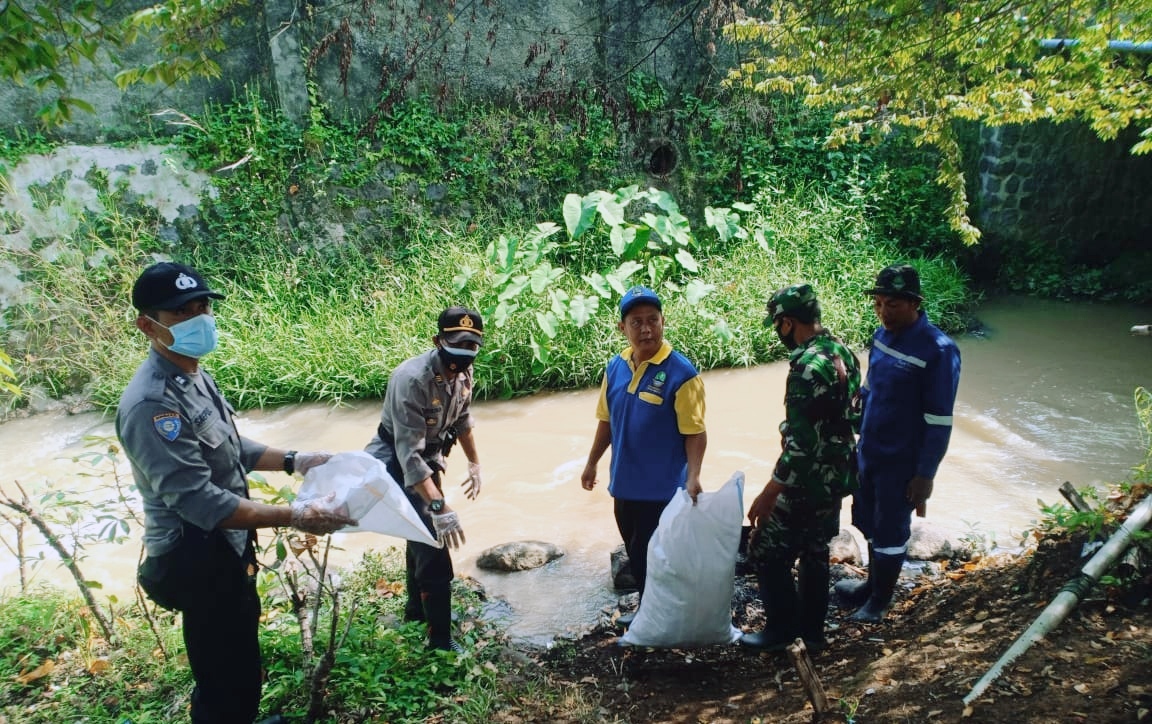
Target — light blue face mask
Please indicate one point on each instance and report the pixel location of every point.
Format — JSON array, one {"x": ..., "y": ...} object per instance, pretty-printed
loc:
[{"x": 193, "y": 337}]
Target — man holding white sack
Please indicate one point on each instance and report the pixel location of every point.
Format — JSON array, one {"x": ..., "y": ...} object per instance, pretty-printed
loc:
[
  {"x": 426, "y": 411},
  {"x": 798, "y": 512},
  {"x": 651, "y": 413}
]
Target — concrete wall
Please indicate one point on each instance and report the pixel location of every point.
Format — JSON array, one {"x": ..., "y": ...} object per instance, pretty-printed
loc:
[
  {"x": 1054, "y": 183},
  {"x": 1033, "y": 181}
]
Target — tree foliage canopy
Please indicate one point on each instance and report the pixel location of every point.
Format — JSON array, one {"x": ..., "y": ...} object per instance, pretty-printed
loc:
[
  {"x": 44, "y": 44},
  {"x": 924, "y": 64}
]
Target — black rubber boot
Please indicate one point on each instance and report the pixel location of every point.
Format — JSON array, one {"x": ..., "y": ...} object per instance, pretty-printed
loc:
[
  {"x": 812, "y": 584},
  {"x": 438, "y": 613},
  {"x": 885, "y": 573},
  {"x": 778, "y": 594},
  {"x": 854, "y": 594}
]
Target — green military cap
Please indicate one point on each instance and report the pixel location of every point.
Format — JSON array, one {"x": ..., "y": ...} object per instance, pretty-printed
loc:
[{"x": 797, "y": 300}]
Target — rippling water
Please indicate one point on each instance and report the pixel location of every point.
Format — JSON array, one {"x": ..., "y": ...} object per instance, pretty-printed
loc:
[{"x": 1045, "y": 396}]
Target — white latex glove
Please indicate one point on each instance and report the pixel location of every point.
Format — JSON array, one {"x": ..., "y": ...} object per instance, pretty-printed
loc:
[
  {"x": 305, "y": 461},
  {"x": 320, "y": 516},
  {"x": 448, "y": 530},
  {"x": 471, "y": 484}
]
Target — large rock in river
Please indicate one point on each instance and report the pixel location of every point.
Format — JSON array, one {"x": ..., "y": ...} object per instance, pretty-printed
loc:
[{"x": 518, "y": 556}]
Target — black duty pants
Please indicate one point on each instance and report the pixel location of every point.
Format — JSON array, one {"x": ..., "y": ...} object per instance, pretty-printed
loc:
[
  {"x": 215, "y": 589},
  {"x": 430, "y": 572},
  {"x": 637, "y": 521}
]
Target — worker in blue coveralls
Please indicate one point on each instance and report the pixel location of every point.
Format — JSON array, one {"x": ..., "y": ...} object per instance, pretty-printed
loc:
[
  {"x": 651, "y": 413},
  {"x": 907, "y": 397}
]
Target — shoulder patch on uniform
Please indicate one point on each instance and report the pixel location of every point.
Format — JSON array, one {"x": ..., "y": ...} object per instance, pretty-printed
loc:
[{"x": 167, "y": 424}]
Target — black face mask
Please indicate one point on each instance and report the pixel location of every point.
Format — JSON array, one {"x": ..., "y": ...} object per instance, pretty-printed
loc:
[
  {"x": 789, "y": 340},
  {"x": 455, "y": 362}
]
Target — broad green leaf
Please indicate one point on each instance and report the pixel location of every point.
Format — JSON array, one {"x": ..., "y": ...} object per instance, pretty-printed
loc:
[
  {"x": 461, "y": 279},
  {"x": 618, "y": 277},
  {"x": 638, "y": 244},
  {"x": 599, "y": 284},
  {"x": 658, "y": 267},
  {"x": 577, "y": 215},
  {"x": 540, "y": 353},
  {"x": 627, "y": 195},
  {"x": 582, "y": 308},
  {"x": 664, "y": 200},
  {"x": 559, "y": 302},
  {"x": 697, "y": 290},
  {"x": 611, "y": 211},
  {"x": 543, "y": 276},
  {"x": 503, "y": 253},
  {"x": 687, "y": 260},
  {"x": 516, "y": 285},
  {"x": 547, "y": 322},
  {"x": 504, "y": 310},
  {"x": 721, "y": 330}
]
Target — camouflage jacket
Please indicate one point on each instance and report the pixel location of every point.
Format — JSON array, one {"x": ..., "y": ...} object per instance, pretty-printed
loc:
[{"x": 818, "y": 435}]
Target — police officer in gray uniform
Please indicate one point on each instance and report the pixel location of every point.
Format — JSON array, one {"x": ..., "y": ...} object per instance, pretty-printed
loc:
[
  {"x": 426, "y": 411},
  {"x": 191, "y": 464}
]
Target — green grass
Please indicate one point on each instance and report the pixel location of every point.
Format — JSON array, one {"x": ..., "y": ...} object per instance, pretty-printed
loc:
[
  {"x": 382, "y": 672},
  {"x": 316, "y": 315},
  {"x": 330, "y": 324}
]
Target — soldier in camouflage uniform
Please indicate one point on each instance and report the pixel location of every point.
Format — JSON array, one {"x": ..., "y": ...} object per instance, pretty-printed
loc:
[{"x": 798, "y": 512}]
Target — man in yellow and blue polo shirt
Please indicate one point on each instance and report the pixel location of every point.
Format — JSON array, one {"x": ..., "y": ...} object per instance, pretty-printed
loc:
[{"x": 651, "y": 413}]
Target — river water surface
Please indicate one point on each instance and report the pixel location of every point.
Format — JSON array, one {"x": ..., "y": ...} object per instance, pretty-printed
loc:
[{"x": 1045, "y": 396}]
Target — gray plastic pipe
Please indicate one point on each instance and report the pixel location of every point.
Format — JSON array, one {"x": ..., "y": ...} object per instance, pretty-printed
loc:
[
  {"x": 1069, "y": 595},
  {"x": 1120, "y": 46}
]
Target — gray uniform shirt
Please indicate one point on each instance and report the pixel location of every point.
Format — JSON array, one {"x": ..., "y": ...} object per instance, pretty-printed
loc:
[
  {"x": 420, "y": 404},
  {"x": 189, "y": 462}
]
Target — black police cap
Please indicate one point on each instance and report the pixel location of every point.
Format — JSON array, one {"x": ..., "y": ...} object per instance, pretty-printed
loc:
[{"x": 168, "y": 285}]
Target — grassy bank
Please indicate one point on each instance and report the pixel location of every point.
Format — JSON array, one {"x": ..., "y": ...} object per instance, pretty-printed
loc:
[
  {"x": 330, "y": 323},
  {"x": 55, "y": 666},
  {"x": 337, "y": 249}
]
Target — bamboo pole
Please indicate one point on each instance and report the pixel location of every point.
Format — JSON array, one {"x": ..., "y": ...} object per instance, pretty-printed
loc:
[{"x": 1068, "y": 597}]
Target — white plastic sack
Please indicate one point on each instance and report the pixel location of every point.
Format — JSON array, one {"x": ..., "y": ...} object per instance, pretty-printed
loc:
[
  {"x": 373, "y": 497},
  {"x": 691, "y": 570}
]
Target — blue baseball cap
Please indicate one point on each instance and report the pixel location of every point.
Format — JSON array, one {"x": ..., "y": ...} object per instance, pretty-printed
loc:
[{"x": 638, "y": 295}]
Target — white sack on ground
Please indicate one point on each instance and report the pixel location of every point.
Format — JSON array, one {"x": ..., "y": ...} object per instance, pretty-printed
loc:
[
  {"x": 373, "y": 497},
  {"x": 691, "y": 571}
]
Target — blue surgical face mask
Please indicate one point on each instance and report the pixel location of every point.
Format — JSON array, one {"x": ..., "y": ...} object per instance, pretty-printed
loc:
[{"x": 193, "y": 337}]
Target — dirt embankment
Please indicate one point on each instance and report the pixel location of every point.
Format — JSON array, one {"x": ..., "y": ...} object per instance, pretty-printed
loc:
[{"x": 941, "y": 636}]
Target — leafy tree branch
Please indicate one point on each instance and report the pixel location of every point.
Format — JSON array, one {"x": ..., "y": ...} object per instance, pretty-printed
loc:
[{"x": 924, "y": 66}]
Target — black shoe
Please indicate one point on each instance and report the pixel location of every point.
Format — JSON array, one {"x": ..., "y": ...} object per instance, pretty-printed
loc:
[
  {"x": 764, "y": 642},
  {"x": 452, "y": 645}
]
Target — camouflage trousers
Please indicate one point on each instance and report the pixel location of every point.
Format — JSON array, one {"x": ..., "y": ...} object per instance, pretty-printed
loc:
[{"x": 795, "y": 531}]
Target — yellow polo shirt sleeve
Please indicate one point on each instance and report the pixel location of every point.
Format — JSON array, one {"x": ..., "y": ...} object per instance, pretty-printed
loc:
[
  {"x": 690, "y": 407},
  {"x": 602, "y": 403}
]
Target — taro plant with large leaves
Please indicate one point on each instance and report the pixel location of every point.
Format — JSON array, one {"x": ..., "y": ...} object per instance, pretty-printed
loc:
[{"x": 560, "y": 282}]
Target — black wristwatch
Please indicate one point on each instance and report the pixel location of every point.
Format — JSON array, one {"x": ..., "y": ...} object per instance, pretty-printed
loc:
[
  {"x": 436, "y": 505},
  {"x": 290, "y": 462}
]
